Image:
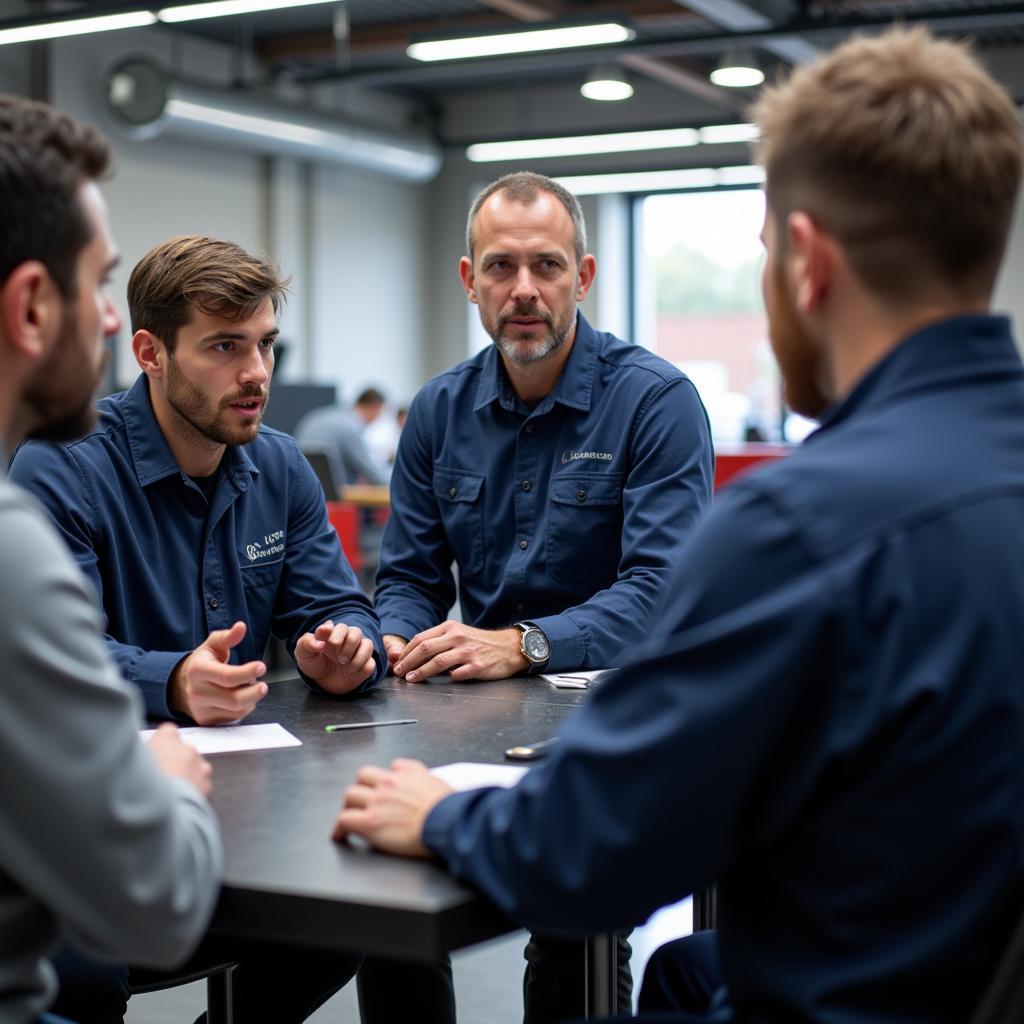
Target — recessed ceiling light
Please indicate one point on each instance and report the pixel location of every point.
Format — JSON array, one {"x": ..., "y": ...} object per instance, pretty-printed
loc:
[
  {"x": 608, "y": 83},
  {"x": 738, "y": 69}
]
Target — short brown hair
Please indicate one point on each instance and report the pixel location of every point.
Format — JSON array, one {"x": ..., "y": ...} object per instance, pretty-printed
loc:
[
  {"x": 45, "y": 158},
  {"x": 907, "y": 151},
  {"x": 218, "y": 278},
  {"x": 523, "y": 187}
]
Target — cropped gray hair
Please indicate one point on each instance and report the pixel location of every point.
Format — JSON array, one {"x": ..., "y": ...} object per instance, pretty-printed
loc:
[{"x": 523, "y": 187}]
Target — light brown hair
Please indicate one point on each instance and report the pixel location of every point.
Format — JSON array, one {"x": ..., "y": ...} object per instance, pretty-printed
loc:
[
  {"x": 907, "y": 151},
  {"x": 218, "y": 278}
]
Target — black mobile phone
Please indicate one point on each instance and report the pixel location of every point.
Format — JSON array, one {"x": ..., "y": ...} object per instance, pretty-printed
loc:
[{"x": 530, "y": 751}]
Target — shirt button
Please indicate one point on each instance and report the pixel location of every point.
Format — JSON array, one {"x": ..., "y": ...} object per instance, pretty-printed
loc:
[
  {"x": 213, "y": 603},
  {"x": 526, "y": 485},
  {"x": 581, "y": 495},
  {"x": 452, "y": 492},
  {"x": 520, "y": 609},
  {"x": 529, "y": 428},
  {"x": 523, "y": 545}
]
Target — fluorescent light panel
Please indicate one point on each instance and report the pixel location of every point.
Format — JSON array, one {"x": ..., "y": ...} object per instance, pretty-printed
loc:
[
  {"x": 611, "y": 142},
  {"x": 662, "y": 181},
  {"x": 76, "y": 27},
  {"x": 225, "y": 8},
  {"x": 526, "y": 41}
]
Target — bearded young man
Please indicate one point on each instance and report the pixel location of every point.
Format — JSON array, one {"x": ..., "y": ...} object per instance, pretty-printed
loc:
[
  {"x": 830, "y": 722},
  {"x": 101, "y": 838},
  {"x": 205, "y": 532}
]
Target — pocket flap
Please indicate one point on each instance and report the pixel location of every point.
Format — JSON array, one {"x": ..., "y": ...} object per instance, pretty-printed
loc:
[
  {"x": 457, "y": 484},
  {"x": 605, "y": 489}
]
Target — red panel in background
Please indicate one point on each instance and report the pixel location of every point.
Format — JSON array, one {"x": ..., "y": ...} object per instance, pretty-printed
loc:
[
  {"x": 345, "y": 519},
  {"x": 732, "y": 461}
]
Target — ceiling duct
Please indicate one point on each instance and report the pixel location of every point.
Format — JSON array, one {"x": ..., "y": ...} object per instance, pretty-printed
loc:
[{"x": 148, "y": 101}]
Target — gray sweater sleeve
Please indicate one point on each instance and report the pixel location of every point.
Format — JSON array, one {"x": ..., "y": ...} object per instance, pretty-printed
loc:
[{"x": 124, "y": 859}]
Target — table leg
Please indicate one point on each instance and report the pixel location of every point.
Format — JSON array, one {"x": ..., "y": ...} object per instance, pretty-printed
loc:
[{"x": 602, "y": 976}]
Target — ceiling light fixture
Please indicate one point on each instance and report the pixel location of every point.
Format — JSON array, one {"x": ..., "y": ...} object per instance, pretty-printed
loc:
[
  {"x": 523, "y": 41},
  {"x": 581, "y": 145},
  {"x": 662, "y": 181},
  {"x": 75, "y": 27},
  {"x": 738, "y": 69},
  {"x": 608, "y": 83},
  {"x": 610, "y": 142},
  {"x": 226, "y": 8}
]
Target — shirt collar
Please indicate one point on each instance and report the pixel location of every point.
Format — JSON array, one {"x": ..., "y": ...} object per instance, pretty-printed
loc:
[
  {"x": 954, "y": 350},
  {"x": 152, "y": 456},
  {"x": 574, "y": 387}
]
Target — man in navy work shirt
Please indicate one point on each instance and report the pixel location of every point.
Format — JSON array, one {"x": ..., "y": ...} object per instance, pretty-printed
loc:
[
  {"x": 560, "y": 469},
  {"x": 829, "y": 721},
  {"x": 204, "y": 532}
]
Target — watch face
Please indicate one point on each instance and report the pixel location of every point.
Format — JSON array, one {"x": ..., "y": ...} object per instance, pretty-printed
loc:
[{"x": 535, "y": 643}]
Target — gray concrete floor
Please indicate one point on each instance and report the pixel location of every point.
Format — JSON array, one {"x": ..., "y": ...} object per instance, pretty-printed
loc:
[
  {"x": 488, "y": 986},
  {"x": 488, "y": 981}
]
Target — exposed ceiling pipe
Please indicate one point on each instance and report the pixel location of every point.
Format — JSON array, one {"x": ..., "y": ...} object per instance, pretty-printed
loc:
[
  {"x": 747, "y": 15},
  {"x": 148, "y": 101}
]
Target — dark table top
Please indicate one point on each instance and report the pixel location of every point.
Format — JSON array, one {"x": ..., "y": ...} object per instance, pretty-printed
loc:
[{"x": 285, "y": 879}]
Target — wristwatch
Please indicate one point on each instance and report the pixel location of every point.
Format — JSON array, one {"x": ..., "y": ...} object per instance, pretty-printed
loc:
[{"x": 534, "y": 645}]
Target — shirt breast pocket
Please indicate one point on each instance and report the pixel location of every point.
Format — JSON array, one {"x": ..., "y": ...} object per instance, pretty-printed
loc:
[
  {"x": 259, "y": 584},
  {"x": 584, "y": 543},
  {"x": 460, "y": 498}
]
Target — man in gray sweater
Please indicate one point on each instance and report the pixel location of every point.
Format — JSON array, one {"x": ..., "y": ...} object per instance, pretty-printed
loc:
[{"x": 102, "y": 841}]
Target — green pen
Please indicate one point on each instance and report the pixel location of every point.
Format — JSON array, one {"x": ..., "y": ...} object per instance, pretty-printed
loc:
[{"x": 369, "y": 725}]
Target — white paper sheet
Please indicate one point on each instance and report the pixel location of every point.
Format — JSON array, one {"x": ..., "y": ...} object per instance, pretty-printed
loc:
[
  {"x": 574, "y": 680},
  {"x": 474, "y": 775},
  {"x": 224, "y": 739}
]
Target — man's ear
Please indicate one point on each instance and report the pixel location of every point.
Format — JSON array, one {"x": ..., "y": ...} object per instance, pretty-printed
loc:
[
  {"x": 811, "y": 258},
  {"x": 587, "y": 273},
  {"x": 468, "y": 277},
  {"x": 31, "y": 309},
  {"x": 150, "y": 353}
]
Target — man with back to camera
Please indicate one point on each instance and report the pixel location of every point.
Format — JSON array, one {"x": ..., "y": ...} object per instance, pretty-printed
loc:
[
  {"x": 204, "y": 532},
  {"x": 99, "y": 836},
  {"x": 342, "y": 434},
  {"x": 829, "y": 722},
  {"x": 561, "y": 469}
]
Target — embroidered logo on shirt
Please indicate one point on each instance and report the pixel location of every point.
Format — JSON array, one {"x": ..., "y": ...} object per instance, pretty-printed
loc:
[
  {"x": 272, "y": 544},
  {"x": 572, "y": 456}
]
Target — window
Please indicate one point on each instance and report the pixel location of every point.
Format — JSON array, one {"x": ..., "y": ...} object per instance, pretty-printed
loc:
[{"x": 698, "y": 304}]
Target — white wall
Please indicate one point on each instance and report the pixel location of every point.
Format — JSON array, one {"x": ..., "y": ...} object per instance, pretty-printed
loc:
[{"x": 371, "y": 254}]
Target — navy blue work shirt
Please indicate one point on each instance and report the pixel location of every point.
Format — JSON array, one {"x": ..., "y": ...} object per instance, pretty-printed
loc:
[
  {"x": 569, "y": 515},
  {"x": 171, "y": 567},
  {"x": 832, "y": 726}
]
